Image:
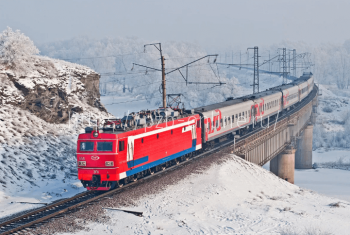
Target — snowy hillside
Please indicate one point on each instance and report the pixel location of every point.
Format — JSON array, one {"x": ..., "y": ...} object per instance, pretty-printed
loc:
[
  {"x": 44, "y": 104},
  {"x": 333, "y": 123},
  {"x": 234, "y": 197}
]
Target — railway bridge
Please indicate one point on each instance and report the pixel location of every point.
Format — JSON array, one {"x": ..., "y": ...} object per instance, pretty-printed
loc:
[{"x": 286, "y": 141}]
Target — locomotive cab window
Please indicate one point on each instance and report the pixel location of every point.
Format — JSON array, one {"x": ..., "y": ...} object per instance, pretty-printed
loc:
[
  {"x": 104, "y": 146},
  {"x": 121, "y": 145},
  {"x": 86, "y": 146}
]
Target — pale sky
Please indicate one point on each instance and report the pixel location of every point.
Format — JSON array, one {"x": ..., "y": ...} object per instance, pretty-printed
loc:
[{"x": 211, "y": 24}]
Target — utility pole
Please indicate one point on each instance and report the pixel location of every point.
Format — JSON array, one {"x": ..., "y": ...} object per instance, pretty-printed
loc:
[
  {"x": 124, "y": 86},
  {"x": 163, "y": 80},
  {"x": 256, "y": 70},
  {"x": 240, "y": 59},
  {"x": 284, "y": 64},
  {"x": 163, "y": 68},
  {"x": 294, "y": 63},
  {"x": 288, "y": 63},
  {"x": 269, "y": 63}
]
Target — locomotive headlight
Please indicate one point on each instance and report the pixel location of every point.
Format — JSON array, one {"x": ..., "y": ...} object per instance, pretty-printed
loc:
[
  {"x": 81, "y": 163},
  {"x": 95, "y": 134},
  {"x": 109, "y": 163}
]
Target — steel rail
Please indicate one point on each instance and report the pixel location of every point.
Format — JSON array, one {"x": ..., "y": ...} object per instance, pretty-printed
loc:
[{"x": 217, "y": 148}]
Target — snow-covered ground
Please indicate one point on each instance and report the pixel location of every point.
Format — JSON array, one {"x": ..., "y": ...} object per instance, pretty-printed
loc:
[
  {"x": 45, "y": 191},
  {"x": 331, "y": 182},
  {"x": 37, "y": 163},
  {"x": 327, "y": 181},
  {"x": 236, "y": 197}
]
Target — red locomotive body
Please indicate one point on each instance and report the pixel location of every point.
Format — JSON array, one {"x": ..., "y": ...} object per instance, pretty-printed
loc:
[{"x": 106, "y": 159}]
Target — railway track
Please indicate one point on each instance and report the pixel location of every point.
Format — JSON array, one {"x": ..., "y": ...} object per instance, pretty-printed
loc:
[{"x": 24, "y": 223}]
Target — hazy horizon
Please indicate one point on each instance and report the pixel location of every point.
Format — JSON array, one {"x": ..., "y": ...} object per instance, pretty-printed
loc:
[{"x": 210, "y": 24}]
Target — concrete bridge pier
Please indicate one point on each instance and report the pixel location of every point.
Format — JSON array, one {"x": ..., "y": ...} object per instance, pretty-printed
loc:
[
  {"x": 303, "y": 155},
  {"x": 283, "y": 165}
]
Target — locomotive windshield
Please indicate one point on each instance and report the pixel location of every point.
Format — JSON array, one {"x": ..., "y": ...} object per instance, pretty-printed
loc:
[
  {"x": 86, "y": 146},
  {"x": 104, "y": 146}
]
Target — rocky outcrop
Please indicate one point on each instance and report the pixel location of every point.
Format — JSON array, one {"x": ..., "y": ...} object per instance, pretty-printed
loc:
[{"x": 52, "y": 89}]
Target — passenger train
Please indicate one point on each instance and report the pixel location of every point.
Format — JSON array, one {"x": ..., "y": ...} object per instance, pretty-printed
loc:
[{"x": 142, "y": 143}]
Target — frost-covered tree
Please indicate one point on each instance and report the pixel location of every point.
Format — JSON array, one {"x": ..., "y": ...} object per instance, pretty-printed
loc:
[{"x": 15, "y": 48}]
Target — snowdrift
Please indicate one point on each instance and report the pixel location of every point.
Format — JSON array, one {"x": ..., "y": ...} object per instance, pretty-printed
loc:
[
  {"x": 236, "y": 197},
  {"x": 42, "y": 109}
]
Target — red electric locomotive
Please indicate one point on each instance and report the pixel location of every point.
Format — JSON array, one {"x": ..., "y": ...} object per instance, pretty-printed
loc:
[{"x": 135, "y": 145}]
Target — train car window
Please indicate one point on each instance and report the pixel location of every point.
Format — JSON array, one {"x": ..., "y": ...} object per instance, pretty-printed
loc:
[
  {"x": 142, "y": 138},
  {"x": 171, "y": 131},
  {"x": 243, "y": 114},
  {"x": 121, "y": 145},
  {"x": 246, "y": 113},
  {"x": 158, "y": 134},
  {"x": 198, "y": 124},
  {"x": 236, "y": 116},
  {"x": 221, "y": 122},
  {"x": 104, "y": 146},
  {"x": 217, "y": 123},
  {"x": 86, "y": 146}
]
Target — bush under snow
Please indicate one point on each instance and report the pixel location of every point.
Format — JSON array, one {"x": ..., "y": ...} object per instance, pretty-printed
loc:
[{"x": 16, "y": 49}]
